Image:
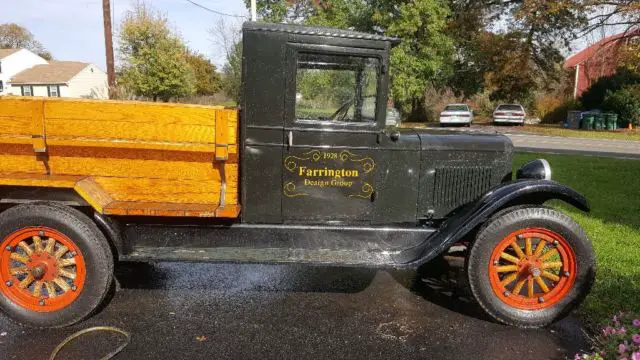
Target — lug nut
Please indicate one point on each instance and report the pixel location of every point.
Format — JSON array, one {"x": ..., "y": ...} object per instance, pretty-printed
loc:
[
  {"x": 507, "y": 293},
  {"x": 74, "y": 288},
  {"x": 555, "y": 242},
  {"x": 41, "y": 233},
  {"x": 496, "y": 262},
  {"x": 73, "y": 253},
  {"x": 9, "y": 283},
  {"x": 541, "y": 299},
  {"x": 41, "y": 302},
  {"x": 9, "y": 248},
  {"x": 566, "y": 273},
  {"x": 520, "y": 237}
]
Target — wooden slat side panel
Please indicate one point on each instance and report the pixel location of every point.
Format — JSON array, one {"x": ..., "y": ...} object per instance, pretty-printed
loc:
[
  {"x": 131, "y": 112},
  {"x": 17, "y": 107},
  {"x": 165, "y": 191},
  {"x": 22, "y": 179}
]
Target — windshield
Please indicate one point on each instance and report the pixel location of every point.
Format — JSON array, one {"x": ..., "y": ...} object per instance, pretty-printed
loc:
[
  {"x": 336, "y": 88},
  {"x": 510, "y": 107},
  {"x": 456, "y": 108}
]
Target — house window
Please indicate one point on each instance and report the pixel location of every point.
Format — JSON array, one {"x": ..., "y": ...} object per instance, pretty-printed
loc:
[
  {"x": 1, "y": 86},
  {"x": 27, "y": 90},
  {"x": 53, "y": 90}
]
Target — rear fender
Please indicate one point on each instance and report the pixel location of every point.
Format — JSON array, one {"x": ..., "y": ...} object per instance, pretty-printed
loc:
[{"x": 521, "y": 192}]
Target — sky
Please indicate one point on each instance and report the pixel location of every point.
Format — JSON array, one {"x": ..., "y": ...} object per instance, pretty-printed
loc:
[{"x": 73, "y": 29}]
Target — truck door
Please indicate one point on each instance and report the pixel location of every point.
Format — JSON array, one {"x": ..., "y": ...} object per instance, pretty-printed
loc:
[{"x": 334, "y": 114}]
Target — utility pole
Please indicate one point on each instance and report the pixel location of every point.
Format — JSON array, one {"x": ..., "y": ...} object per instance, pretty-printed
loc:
[
  {"x": 254, "y": 15},
  {"x": 108, "y": 43}
]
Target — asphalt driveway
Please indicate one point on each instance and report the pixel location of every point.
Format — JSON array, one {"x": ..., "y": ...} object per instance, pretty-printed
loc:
[{"x": 229, "y": 311}]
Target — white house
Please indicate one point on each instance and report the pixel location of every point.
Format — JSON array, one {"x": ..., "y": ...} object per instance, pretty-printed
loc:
[
  {"x": 13, "y": 61},
  {"x": 62, "y": 79}
]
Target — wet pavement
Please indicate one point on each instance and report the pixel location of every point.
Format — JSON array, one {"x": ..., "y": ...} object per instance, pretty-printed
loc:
[{"x": 231, "y": 311}]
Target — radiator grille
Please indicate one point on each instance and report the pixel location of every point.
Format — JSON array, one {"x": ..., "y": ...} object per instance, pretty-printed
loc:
[{"x": 455, "y": 186}]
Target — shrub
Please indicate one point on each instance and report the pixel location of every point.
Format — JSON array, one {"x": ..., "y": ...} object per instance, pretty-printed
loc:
[
  {"x": 626, "y": 103},
  {"x": 594, "y": 96},
  {"x": 620, "y": 339},
  {"x": 558, "y": 114}
]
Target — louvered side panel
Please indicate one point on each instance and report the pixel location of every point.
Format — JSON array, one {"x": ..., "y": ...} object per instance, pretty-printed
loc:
[{"x": 456, "y": 186}]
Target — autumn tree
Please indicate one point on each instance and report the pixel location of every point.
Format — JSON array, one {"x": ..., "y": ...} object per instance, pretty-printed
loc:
[
  {"x": 154, "y": 58},
  {"x": 232, "y": 73},
  {"x": 14, "y": 36},
  {"x": 208, "y": 81}
]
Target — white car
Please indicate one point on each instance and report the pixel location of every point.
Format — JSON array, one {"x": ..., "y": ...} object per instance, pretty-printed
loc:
[
  {"x": 456, "y": 114},
  {"x": 509, "y": 114}
]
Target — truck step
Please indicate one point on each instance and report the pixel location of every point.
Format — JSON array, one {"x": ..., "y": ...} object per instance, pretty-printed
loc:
[{"x": 265, "y": 255}]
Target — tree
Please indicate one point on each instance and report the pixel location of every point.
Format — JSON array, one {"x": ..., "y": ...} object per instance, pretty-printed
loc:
[
  {"x": 232, "y": 73},
  {"x": 208, "y": 81},
  {"x": 613, "y": 13},
  {"x": 14, "y": 36},
  {"x": 154, "y": 59}
]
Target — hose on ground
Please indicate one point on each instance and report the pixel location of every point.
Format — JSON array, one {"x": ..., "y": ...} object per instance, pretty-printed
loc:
[{"x": 76, "y": 335}]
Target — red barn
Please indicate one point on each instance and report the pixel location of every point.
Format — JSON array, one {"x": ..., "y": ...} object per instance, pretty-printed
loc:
[{"x": 597, "y": 60}]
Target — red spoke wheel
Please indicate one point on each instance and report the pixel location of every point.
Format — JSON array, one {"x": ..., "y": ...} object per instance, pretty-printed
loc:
[
  {"x": 529, "y": 266},
  {"x": 56, "y": 266},
  {"x": 41, "y": 269},
  {"x": 532, "y": 269}
]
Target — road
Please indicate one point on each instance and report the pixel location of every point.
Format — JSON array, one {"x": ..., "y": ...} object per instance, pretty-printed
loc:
[
  {"x": 213, "y": 311},
  {"x": 582, "y": 146}
]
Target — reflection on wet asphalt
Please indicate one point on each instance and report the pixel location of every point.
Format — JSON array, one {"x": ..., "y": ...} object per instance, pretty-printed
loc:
[{"x": 231, "y": 311}]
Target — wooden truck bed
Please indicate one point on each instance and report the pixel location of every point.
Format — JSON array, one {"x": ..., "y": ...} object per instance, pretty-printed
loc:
[{"x": 124, "y": 158}]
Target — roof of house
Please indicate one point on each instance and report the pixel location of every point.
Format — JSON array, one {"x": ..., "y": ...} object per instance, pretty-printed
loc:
[
  {"x": 55, "y": 72},
  {"x": 590, "y": 51},
  {"x": 6, "y": 52}
]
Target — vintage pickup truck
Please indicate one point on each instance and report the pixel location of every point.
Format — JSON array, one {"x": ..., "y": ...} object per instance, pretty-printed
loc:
[{"x": 306, "y": 172}]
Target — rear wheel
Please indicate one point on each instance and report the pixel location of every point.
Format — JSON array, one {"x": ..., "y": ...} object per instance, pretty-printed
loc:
[
  {"x": 530, "y": 266},
  {"x": 55, "y": 265}
]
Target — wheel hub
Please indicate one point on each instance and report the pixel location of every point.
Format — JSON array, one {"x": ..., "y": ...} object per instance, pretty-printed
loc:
[
  {"x": 532, "y": 269},
  {"x": 41, "y": 269}
]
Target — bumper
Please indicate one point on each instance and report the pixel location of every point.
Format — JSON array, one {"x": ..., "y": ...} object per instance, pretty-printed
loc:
[
  {"x": 508, "y": 119},
  {"x": 455, "y": 120}
]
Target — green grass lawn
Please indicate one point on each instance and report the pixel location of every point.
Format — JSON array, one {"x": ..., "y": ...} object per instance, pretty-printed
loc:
[
  {"x": 556, "y": 130},
  {"x": 613, "y": 188}
]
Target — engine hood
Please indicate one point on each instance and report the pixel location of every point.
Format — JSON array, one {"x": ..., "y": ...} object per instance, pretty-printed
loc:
[{"x": 447, "y": 140}]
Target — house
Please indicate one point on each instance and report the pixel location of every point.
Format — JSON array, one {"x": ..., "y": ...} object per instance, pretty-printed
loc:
[
  {"x": 13, "y": 61},
  {"x": 597, "y": 60},
  {"x": 62, "y": 79}
]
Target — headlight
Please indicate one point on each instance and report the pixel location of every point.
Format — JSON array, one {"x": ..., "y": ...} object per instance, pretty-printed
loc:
[{"x": 536, "y": 169}]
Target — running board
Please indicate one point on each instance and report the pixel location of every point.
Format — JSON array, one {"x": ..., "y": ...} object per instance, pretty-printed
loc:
[
  {"x": 266, "y": 255},
  {"x": 339, "y": 245}
]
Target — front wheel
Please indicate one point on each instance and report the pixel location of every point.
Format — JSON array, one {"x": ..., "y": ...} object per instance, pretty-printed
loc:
[{"x": 530, "y": 266}]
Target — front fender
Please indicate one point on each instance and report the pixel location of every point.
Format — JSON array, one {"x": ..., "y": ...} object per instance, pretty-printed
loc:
[{"x": 514, "y": 193}]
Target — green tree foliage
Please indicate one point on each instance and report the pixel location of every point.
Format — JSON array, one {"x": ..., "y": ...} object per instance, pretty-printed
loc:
[
  {"x": 154, "y": 59},
  {"x": 232, "y": 73},
  {"x": 594, "y": 96},
  {"x": 626, "y": 103},
  {"x": 208, "y": 81},
  {"x": 14, "y": 36}
]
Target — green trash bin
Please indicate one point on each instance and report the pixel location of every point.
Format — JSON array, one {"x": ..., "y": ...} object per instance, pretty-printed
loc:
[
  {"x": 612, "y": 121},
  {"x": 598, "y": 123},
  {"x": 587, "y": 121}
]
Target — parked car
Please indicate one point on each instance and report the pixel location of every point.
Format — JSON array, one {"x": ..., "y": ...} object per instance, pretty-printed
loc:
[
  {"x": 509, "y": 114},
  {"x": 456, "y": 114}
]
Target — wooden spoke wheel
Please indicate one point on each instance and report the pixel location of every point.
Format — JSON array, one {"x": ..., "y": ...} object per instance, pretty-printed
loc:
[
  {"x": 530, "y": 266},
  {"x": 41, "y": 269},
  {"x": 532, "y": 269}
]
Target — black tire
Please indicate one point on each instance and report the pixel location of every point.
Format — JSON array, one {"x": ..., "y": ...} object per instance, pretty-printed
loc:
[
  {"x": 508, "y": 222},
  {"x": 92, "y": 244}
]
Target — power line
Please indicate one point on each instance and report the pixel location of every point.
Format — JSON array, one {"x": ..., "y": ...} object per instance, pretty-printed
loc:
[{"x": 214, "y": 11}]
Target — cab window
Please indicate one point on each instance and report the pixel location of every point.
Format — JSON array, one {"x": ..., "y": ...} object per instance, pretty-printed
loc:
[{"x": 336, "y": 88}]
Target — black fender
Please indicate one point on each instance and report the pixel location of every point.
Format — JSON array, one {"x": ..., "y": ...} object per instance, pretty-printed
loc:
[{"x": 520, "y": 192}]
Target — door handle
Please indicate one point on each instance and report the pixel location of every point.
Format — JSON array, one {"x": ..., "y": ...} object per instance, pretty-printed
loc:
[{"x": 290, "y": 138}]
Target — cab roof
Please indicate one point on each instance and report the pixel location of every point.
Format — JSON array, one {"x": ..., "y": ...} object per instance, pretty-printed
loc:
[{"x": 317, "y": 31}]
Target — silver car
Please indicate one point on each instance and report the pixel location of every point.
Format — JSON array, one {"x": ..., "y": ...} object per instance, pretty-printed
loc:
[
  {"x": 509, "y": 114},
  {"x": 456, "y": 114}
]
